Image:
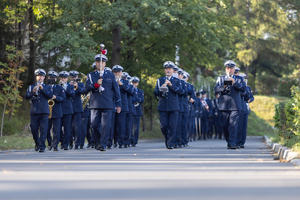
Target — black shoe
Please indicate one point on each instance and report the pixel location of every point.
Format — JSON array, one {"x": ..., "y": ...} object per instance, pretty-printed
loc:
[
  {"x": 115, "y": 145},
  {"x": 97, "y": 148},
  {"x": 42, "y": 150},
  {"x": 170, "y": 147},
  {"x": 176, "y": 146},
  {"x": 237, "y": 146},
  {"x": 109, "y": 147},
  {"x": 125, "y": 146},
  {"x": 66, "y": 148},
  {"x": 81, "y": 147},
  {"x": 36, "y": 148},
  {"x": 129, "y": 145},
  {"x": 50, "y": 148},
  {"x": 93, "y": 146},
  {"x": 121, "y": 147},
  {"x": 71, "y": 146},
  {"x": 88, "y": 146},
  {"x": 180, "y": 146},
  {"x": 102, "y": 149},
  {"x": 242, "y": 146},
  {"x": 76, "y": 147},
  {"x": 61, "y": 147},
  {"x": 231, "y": 147},
  {"x": 134, "y": 145},
  {"x": 55, "y": 149}
]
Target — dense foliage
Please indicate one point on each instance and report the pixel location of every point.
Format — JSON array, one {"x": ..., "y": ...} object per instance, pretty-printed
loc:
[{"x": 287, "y": 120}]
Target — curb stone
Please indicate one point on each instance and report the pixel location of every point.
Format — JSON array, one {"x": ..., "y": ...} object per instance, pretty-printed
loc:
[{"x": 283, "y": 152}]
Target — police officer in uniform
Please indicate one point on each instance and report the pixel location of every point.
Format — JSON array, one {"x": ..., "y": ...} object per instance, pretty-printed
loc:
[
  {"x": 39, "y": 94},
  {"x": 230, "y": 102},
  {"x": 67, "y": 110},
  {"x": 129, "y": 114},
  {"x": 217, "y": 117},
  {"x": 54, "y": 120},
  {"x": 77, "y": 110},
  {"x": 206, "y": 107},
  {"x": 118, "y": 130},
  {"x": 104, "y": 87},
  {"x": 139, "y": 99},
  {"x": 198, "y": 114},
  {"x": 191, "y": 114},
  {"x": 183, "y": 109},
  {"x": 167, "y": 89},
  {"x": 247, "y": 97}
]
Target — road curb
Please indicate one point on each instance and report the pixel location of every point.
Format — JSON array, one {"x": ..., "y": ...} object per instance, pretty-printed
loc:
[{"x": 284, "y": 153}]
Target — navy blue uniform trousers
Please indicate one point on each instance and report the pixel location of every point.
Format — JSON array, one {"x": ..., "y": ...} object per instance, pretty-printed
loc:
[
  {"x": 168, "y": 125},
  {"x": 178, "y": 138},
  {"x": 230, "y": 122},
  {"x": 65, "y": 135},
  {"x": 84, "y": 130},
  {"x": 56, "y": 124},
  {"x": 136, "y": 129},
  {"x": 112, "y": 130},
  {"x": 128, "y": 129},
  {"x": 242, "y": 130},
  {"x": 39, "y": 121},
  {"x": 101, "y": 120},
  {"x": 184, "y": 125},
  {"x": 204, "y": 126},
  {"x": 89, "y": 134},
  {"x": 121, "y": 127},
  {"x": 76, "y": 129}
]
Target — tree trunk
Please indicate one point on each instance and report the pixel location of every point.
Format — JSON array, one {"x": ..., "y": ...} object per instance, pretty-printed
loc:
[
  {"x": 21, "y": 60},
  {"x": 116, "y": 50},
  {"x": 31, "y": 44},
  {"x": 151, "y": 115},
  {"x": 2, "y": 121},
  {"x": 248, "y": 34}
]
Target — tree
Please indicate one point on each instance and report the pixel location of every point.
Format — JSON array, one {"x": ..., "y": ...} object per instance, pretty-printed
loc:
[{"x": 9, "y": 82}]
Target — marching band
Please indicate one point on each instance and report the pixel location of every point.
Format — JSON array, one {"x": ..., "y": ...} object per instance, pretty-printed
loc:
[{"x": 106, "y": 108}]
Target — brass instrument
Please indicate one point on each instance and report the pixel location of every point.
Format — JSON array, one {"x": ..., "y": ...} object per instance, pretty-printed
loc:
[
  {"x": 51, "y": 103},
  {"x": 164, "y": 89},
  {"x": 75, "y": 87},
  {"x": 136, "y": 104},
  {"x": 85, "y": 99},
  {"x": 37, "y": 90}
]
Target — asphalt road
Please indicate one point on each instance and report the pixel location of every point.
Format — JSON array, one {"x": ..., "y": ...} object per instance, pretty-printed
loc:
[{"x": 204, "y": 170}]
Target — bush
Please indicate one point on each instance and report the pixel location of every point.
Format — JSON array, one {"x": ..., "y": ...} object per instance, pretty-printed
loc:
[
  {"x": 285, "y": 85},
  {"x": 287, "y": 120}
]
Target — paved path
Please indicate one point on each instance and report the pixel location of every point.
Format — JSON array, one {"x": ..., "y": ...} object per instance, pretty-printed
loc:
[{"x": 204, "y": 170}]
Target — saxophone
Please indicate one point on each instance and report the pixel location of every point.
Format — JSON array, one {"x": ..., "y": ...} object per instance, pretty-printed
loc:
[
  {"x": 85, "y": 99},
  {"x": 51, "y": 103}
]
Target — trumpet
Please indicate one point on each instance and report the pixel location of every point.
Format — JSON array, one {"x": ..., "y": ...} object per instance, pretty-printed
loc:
[
  {"x": 51, "y": 103},
  {"x": 64, "y": 85}
]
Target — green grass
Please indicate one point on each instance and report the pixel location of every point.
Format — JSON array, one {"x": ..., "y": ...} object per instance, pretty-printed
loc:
[
  {"x": 261, "y": 117},
  {"x": 16, "y": 141},
  {"x": 156, "y": 133}
]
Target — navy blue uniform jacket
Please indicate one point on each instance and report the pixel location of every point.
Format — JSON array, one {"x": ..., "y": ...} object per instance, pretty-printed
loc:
[
  {"x": 60, "y": 94},
  {"x": 170, "y": 102},
  {"x": 232, "y": 101},
  {"x": 76, "y": 100},
  {"x": 247, "y": 97},
  {"x": 67, "y": 106},
  {"x": 104, "y": 100},
  {"x": 123, "y": 91},
  {"x": 39, "y": 104},
  {"x": 139, "y": 99}
]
